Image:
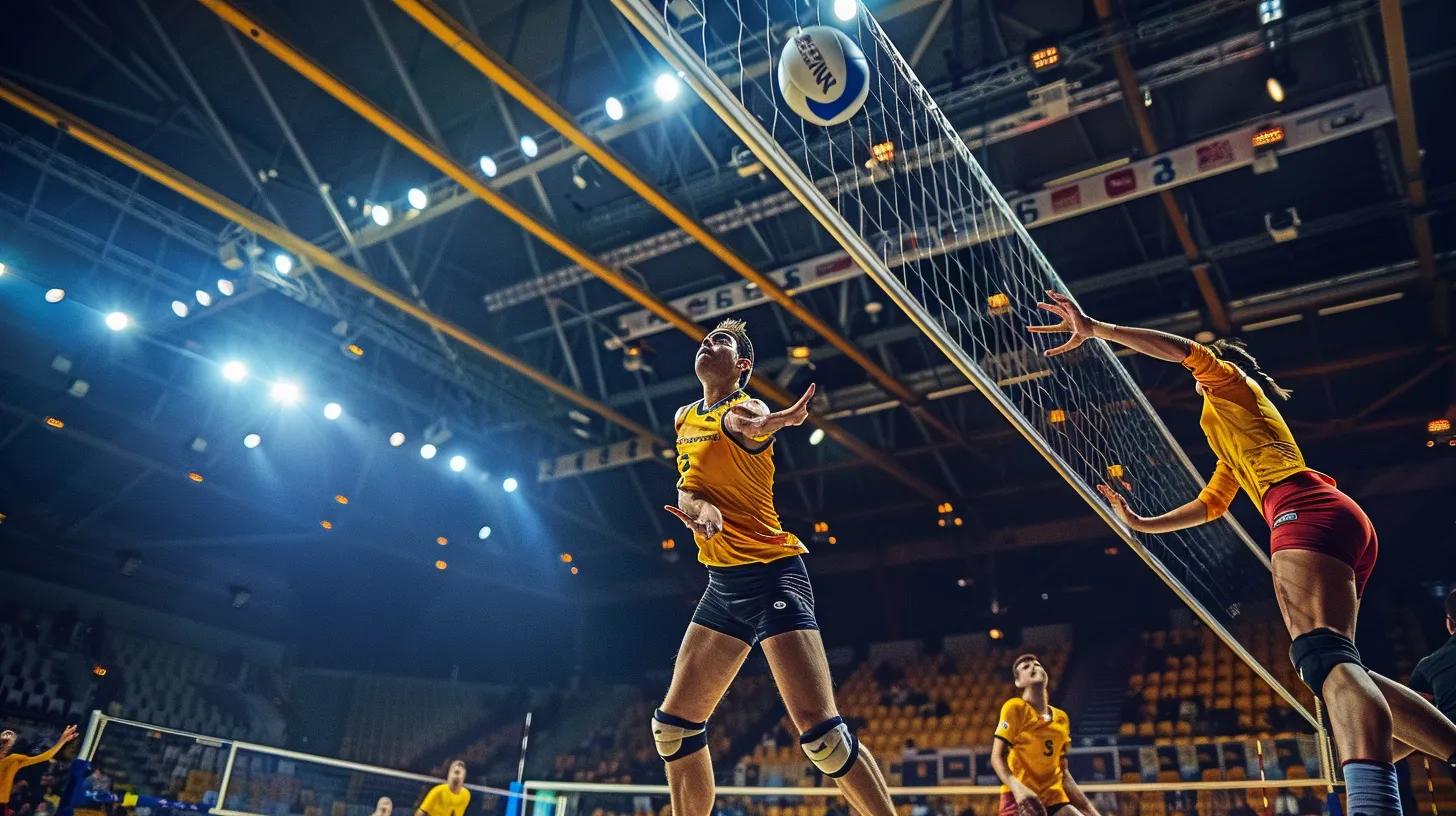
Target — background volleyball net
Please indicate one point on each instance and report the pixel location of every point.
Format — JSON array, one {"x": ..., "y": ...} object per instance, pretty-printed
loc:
[
  {"x": 144, "y": 764},
  {"x": 899, "y": 190}
]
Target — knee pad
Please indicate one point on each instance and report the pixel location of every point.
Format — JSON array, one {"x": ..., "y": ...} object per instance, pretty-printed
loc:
[
  {"x": 831, "y": 746},
  {"x": 1316, "y": 653},
  {"x": 676, "y": 737}
]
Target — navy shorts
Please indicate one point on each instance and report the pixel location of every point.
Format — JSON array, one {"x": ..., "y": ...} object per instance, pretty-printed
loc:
[{"x": 757, "y": 601}]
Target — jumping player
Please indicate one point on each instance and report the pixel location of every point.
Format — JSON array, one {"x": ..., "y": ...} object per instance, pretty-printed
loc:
[
  {"x": 10, "y": 763},
  {"x": 758, "y": 590},
  {"x": 1029, "y": 753},
  {"x": 1323, "y": 549}
]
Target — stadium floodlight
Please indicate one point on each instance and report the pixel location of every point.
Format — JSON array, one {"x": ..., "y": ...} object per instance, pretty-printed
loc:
[
  {"x": 234, "y": 371},
  {"x": 667, "y": 87}
]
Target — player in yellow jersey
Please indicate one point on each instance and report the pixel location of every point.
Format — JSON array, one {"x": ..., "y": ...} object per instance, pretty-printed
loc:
[
  {"x": 1029, "y": 753},
  {"x": 758, "y": 590},
  {"x": 450, "y": 798},
  {"x": 1323, "y": 549}
]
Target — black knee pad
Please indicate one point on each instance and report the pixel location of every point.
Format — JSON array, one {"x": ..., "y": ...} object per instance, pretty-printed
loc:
[
  {"x": 676, "y": 737},
  {"x": 831, "y": 746},
  {"x": 1316, "y": 653}
]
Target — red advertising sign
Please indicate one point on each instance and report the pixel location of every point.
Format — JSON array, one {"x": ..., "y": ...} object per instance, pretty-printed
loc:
[
  {"x": 1120, "y": 183},
  {"x": 1067, "y": 198},
  {"x": 1215, "y": 154}
]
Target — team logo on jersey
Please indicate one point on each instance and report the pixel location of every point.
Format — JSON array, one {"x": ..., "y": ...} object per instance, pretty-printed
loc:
[
  {"x": 1004, "y": 726},
  {"x": 1285, "y": 518},
  {"x": 780, "y": 605}
]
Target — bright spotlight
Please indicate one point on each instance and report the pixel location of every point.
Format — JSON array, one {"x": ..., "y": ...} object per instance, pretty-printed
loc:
[
  {"x": 381, "y": 215},
  {"x": 204, "y": 297},
  {"x": 118, "y": 321},
  {"x": 333, "y": 411},
  {"x": 615, "y": 111},
  {"x": 845, "y": 10},
  {"x": 484, "y": 533},
  {"x": 427, "y": 451},
  {"x": 55, "y": 295},
  {"x": 510, "y": 484},
  {"x": 667, "y": 87},
  {"x": 396, "y": 439},
  {"x": 817, "y": 436},
  {"x": 179, "y": 308},
  {"x": 418, "y": 198},
  {"x": 286, "y": 393},
  {"x": 529, "y": 147},
  {"x": 1275, "y": 89},
  {"x": 282, "y": 263},
  {"x": 252, "y": 440},
  {"x": 226, "y": 287},
  {"x": 457, "y": 463},
  {"x": 234, "y": 371},
  {"x": 487, "y": 166}
]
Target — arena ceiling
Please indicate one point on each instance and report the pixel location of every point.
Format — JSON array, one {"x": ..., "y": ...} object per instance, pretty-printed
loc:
[{"x": 1348, "y": 312}]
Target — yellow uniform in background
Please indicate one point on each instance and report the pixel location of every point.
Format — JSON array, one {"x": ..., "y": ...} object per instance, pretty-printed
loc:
[
  {"x": 736, "y": 480},
  {"x": 1037, "y": 746},
  {"x": 441, "y": 801}
]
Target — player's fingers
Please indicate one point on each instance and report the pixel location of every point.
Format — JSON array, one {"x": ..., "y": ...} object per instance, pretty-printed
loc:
[
  {"x": 1063, "y": 348},
  {"x": 1046, "y": 329},
  {"x": 681, "y": 516},
  {"x": 1054, "y": 308}
]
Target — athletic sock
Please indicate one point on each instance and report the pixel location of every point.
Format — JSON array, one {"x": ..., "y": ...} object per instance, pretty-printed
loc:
[{"x": 1370, "y": 788}]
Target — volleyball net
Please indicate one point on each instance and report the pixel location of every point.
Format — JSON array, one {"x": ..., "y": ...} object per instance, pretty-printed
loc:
[
  {"x": 899, "y": 190},
  {"x": 167, "y": 769}
]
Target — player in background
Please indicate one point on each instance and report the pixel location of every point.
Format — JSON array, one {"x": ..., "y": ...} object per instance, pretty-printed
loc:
[
  {"x": 1029, "y": 752},
  {"x": 758, "y": 589},
  {"x": 1323, "y": 549}
]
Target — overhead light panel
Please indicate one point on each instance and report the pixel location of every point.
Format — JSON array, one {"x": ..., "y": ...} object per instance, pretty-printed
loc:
[
  {"x": 615, "y": 111},
  {"x": 418, "y": 198},
  {"x": 666, "y": 86}
]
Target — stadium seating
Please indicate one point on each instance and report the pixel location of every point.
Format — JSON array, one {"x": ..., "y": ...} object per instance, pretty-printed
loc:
[
  {"x": 34, "y": 670},
  {"x": 396, "y": 721}
]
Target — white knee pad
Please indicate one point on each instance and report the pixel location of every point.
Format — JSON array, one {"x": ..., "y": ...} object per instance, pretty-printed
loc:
[
  {"x": 831, "y": 746},
  {"x": 676, "y": 737}
]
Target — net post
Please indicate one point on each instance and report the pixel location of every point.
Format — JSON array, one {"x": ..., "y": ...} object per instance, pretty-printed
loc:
[
  {"x": 710, "y": 88},
  {"x": 95, "y": 724},
  {"x": 227, "y": 775}
]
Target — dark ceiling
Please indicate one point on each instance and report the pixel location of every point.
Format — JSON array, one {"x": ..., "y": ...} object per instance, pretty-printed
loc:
[{"x": 169, "y": 77}]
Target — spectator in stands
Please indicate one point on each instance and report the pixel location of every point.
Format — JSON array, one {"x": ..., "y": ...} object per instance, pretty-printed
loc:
[
  {"x": 384, "y": 807},
  {"x": 1310, "y": 804},
  {"x": 98, "y": 781},
  {"x": 10, "y": 763},
  {"x": 450, "y": 798},
  {"x": 1285, "y": 803},
  {"x": 886, "y": 674},
  {"x": 1242, "y": 809}
]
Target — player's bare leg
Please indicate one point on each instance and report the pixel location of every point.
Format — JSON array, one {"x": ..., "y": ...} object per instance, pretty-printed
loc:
[
  {"x": 801, "y": 671},
  {"x": 1417, "y": 725},
  {"x": 706, "y": 664},
  {"x": 1318, "y": 591}
]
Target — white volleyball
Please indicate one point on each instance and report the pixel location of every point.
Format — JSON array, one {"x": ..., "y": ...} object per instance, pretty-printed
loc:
[{"x": 823, "y": 75}]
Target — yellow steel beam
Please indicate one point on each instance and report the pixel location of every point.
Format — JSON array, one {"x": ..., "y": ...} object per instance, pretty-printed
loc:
[
  {"x": 190, "y": 188},
  {"x": 436, "y": 158},
  {"x": 1132, "y": 99},
  {"x": 1410, "y": 163},
  {"x": 490, "y": 64}
]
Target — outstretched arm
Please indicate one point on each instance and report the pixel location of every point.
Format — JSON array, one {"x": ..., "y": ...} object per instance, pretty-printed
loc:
[
  {"x": 1079, "y": 799},
  {"x": 1082, "y": 328},
  {"x": 68, "y": 734},
  {"x": 751, "y": 421}
]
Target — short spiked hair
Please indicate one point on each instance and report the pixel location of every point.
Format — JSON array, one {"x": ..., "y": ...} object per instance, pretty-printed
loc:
[{"x": 739, "y": 331}]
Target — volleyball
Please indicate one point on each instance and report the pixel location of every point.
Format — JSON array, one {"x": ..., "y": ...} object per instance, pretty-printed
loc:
[{"x": 823, "y": 75}]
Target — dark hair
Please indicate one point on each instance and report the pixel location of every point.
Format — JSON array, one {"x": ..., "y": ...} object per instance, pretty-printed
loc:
[
  {"x": 1234, "y": 351},
  {"x": 1022, "y": 659},
  {"x": 1451, "y": 604},
  {"x": 459, "y": 762},
  {"x": 739, "y": 331}
]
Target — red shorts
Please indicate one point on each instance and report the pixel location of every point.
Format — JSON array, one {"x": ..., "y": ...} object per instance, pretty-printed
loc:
[
  {"x": 1008, "y": 806},
  {"x": 1307, "y": 512}
]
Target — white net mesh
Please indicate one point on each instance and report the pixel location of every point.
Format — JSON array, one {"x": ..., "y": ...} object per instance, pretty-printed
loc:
[{"x": 899, "y": 181}]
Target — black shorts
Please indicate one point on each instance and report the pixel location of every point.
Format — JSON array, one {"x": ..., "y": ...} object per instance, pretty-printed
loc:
[{"x": 758, "y": 601}]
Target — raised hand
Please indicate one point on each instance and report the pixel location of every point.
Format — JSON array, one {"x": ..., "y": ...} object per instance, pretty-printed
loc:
[
  {"x": 67, "y": 734},
  {"x": 708, "y": 522},
  {"x": 768, "y": 424},
  {"x": 1073, "y": 321}
]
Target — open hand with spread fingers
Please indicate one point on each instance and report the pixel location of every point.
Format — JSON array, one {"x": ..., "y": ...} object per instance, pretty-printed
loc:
[{"x": 1073, "y": 321}]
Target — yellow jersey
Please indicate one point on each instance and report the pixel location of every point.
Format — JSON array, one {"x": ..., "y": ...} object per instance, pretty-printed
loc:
[
  {"x": 10, "y": 765},
  {"x": 738, "y": 481},
  {"x": 1038, "y": 745},
  {"x": 1248, "y": 434},
  {"x": 441, "y": 801}
]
